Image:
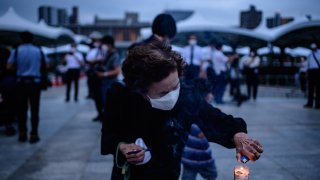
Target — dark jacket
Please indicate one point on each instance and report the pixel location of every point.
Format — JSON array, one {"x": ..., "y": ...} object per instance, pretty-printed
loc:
[{"x": 129, "y": 116}]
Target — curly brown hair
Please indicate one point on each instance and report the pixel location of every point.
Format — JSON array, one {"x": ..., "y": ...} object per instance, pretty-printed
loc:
[{"x": 148, "y": 63}]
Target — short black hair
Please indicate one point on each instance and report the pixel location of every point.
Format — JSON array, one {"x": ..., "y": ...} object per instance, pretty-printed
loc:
[
  {"x": 108, "y": 40},
  {"x": 26, "y": 37},
  {"x": 164, "y": 25}
]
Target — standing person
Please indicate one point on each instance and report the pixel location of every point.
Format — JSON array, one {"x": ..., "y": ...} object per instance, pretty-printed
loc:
[
  {"x": 163, "y": 29},
  {"x": 193, "y": 55},
  {"x": 220, "y": 68},
  {"x": 313, "y": 75},
  {"x": 94, "y": 58},
  {"x": 251, "y": 65},
  {"x": 235, "y": 77},
  {"x": 74, "y": 62},
  {"x": 197, "y": 155},
  {"x": 155, "y": 110},
  {"x": 303, "y": 75},
  {"x": 28, "y": 61},
  {"x": 111, "y": 67},
  {"x": 8, "y": 88}
]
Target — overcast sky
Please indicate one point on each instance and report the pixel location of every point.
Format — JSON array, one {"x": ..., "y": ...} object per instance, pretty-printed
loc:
[{"x": 223, "y": 12}]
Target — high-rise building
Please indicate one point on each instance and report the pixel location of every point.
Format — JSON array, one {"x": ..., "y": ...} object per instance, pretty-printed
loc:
[
  {"x": 57, "y": 16},
  {"x": 63, "y": 17},
  {"x": 126, "y": 29},
  {"x": 250, "y": 19},
  {"x": 74, "y": 16},
  {"x": 277, "y": 20}
]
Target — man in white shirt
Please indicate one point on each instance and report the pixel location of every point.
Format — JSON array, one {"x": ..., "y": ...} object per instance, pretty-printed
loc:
[
  {"x": 95, "y": 57},
  {"x": 74, "y": 61},
  {"x": 219, "y": 61},
  {"x": 250, "y": 66},
  {"x": 313, "y": 75},
  {"x": 193, "y": 55}
]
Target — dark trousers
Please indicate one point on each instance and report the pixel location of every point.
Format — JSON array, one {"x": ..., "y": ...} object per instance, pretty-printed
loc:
[
  {"x": 72, "y": 75},
  {"x": 303, "y": 81},
  {"x": 252, "y": 81},
  {"x": 90, "y": 84},
  {"x": 28, "y": 94},
  {"x": 314, "y": 86},
  {"x": 220, "y": 87},
  {"x": 105, "y": 85},
  {"x": 96, "y": 93}
]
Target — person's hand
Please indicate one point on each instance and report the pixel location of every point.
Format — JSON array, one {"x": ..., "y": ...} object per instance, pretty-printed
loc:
[
  {"x": 133, "y": 153},
  {"x": 247, "y": 146}
]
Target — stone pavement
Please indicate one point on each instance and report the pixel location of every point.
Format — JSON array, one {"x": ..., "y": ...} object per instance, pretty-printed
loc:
[{"x": 69, "y": 146}]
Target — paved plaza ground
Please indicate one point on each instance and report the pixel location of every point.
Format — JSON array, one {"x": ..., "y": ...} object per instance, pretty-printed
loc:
[{"x": 70, "y": 141}]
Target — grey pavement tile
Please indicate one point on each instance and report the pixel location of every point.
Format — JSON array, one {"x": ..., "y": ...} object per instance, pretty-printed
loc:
[
  {"x": 305, "y": 173},
  {"x": 274, "y": 174},
  {"x": 70, "y": 142},
  {"x": 98, "y": 176}
]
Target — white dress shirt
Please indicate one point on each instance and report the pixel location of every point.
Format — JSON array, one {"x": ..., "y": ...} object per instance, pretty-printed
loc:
[
  {"x": 73, "y": 60},
  {"x": 219, "y": 61},
  {"x": 197, "y": 55},
  {"x": 311, "y": 61},
  {"x": 95, "y": 53},
  {"x": 246, "y": 61}
]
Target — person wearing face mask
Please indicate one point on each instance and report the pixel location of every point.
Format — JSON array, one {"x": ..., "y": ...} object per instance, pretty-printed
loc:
[
  {"x": 110, "y": 67},
  {"x": 193, "y": 55},
  {"x": 250, "y": 66},
  {"x": 313, "y": 75},
  {"x": 74, "y": 61},
  {"x": 148, "y": 116},
  {"x": 94, "y": 57}
]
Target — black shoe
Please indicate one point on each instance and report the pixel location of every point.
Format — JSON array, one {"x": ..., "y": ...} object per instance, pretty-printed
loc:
[
  {"x": 34, "y": 138},
  {"x": 23, "y": 137},
  {"x": 67, "y": 100},
  {"x": 10, "y": 131},
  {"x": 307, "y": 106}
]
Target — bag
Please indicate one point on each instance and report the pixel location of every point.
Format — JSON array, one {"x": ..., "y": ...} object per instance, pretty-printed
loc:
[{"x": 45, "y": 82}]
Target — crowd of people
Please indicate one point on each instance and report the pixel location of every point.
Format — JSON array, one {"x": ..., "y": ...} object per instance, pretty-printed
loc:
[{"x": 152, "y": 104}]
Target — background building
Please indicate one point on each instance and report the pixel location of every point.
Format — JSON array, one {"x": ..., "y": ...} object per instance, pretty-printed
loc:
[
  {"x": 250, "y": 19},
  {"x": 57, "y": 16},
  {"x": 277, "y": 20},
  {"x": 123, "y": 30}
]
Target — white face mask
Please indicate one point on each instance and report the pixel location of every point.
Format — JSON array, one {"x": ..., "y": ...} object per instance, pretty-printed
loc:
[
  {"x": 96, "y": 44},
  {"x": 166, "y": 102},
  {"x": 192, "y": 42},
  {"x": 104, "y": 47}
]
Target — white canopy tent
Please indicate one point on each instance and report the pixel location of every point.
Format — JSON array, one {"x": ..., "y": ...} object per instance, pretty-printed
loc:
[
  {"x": 65, "y": 49},
  {"x": 11, "y": 25}
]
